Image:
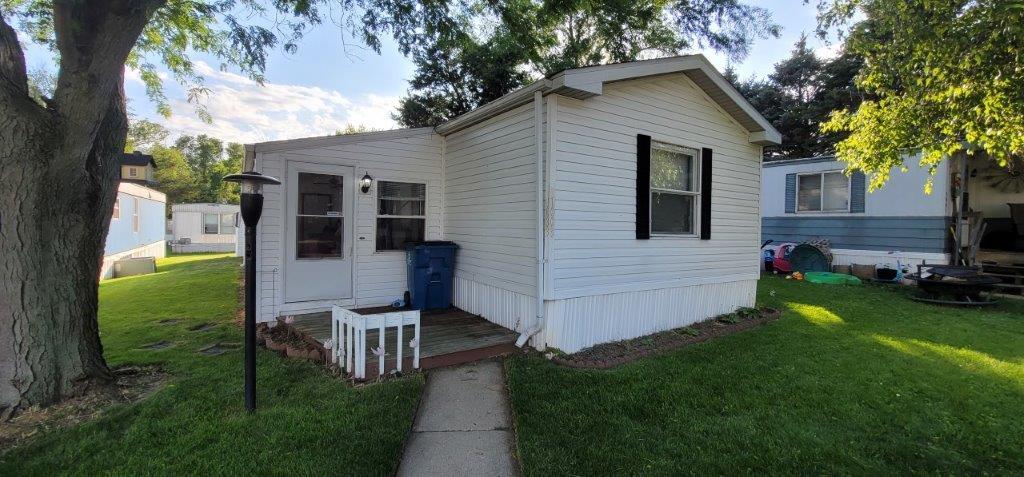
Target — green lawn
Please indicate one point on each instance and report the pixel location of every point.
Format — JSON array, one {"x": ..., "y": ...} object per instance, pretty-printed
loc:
[
  {"x": 850, "y": 380},
  {"x": 308, "y": 423}
]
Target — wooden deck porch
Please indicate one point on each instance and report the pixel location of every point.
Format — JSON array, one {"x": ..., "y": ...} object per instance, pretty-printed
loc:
[{"x": 447, "y": 337}]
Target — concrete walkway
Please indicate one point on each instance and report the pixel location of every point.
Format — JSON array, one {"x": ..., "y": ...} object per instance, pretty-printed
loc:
[{"x": 463, "y": 425}]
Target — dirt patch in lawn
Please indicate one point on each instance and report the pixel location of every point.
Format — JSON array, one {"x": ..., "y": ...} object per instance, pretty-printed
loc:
[
  {"x": 608, "y": 355},
  {"x": 131, "y": 384}
]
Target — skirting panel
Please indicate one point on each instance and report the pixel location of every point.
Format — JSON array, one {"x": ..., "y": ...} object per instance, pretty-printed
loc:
[
  {"x": 202, "y": 247},
  {"x": 577, "y": 323},
  {"x": 155, "y": 249},
  {"x": 512, "y": 310},
  {"x": 874, "y": 257}
]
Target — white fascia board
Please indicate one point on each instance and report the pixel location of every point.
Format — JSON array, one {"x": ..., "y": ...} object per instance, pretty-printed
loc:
[
  {"x": 324, "y": 141},
  {"x": 509, "y": 101}
]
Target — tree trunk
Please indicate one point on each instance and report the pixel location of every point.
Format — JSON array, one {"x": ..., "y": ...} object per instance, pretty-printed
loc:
[
  {"x": 59, "y": 169},
  {"x": 52, "y": 236}
]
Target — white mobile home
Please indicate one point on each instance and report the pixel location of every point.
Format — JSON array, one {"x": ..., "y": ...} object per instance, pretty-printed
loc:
[
  {"x": 600, "y": 204},
  {"x": 203, "y": 227}
]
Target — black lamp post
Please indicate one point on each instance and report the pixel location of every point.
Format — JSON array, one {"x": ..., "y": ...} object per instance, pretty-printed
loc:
[{"x": 252, "y": 207}]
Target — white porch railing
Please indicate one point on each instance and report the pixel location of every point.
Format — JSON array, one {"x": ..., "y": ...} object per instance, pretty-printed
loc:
[{"x": 348, "y": 338}]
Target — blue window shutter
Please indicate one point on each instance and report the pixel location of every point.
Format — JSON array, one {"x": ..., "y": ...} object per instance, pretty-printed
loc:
[
  {"x": 790, "y": 193},
  {"x": 857, "y": 187}
]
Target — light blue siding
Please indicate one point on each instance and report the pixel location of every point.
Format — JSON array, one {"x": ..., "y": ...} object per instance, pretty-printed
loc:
[
  {"x": 152, "y": 224},
  {"x": 906, "y": 234}
]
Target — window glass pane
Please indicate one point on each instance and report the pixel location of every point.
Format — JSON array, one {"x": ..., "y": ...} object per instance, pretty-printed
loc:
[
  {"x": 836, "y": 196},
  {"x": 392, "y": 234},
  {"x": 808, "y": 193},
  {"x": 672, "y": 213},
  {"x": 319, "y": 237},
  {"x": 117, "y": 208},
  {"x": 210, "y": 223},
  {"x": 671, "y": 169},
  {"x": 227, "y": 224},
  {"x": 401, "y": 198},
  {"x": 320, "y": 194}
]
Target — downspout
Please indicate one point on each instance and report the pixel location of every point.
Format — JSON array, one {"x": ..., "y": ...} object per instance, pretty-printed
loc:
[{"x": 538, "y": 127}]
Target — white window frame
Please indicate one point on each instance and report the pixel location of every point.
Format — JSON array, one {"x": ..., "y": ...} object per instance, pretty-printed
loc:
[
  {"x": 821, "y": 198},
  {"x": 133, "y": 171},
  {"x": 695, "y": 153},
  {"x": 203, "y": 223},
  {"x": 136, "y": 225},
  {"x": 116, "y": 215},
  {"x": 377, "y": 215},
  {"x": 220, "y": 223}
]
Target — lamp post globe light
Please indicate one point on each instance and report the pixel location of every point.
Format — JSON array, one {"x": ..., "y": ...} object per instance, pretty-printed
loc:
[{"x": 251, "y": 207}]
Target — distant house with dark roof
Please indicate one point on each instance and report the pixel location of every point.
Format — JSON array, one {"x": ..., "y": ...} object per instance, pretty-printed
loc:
[
  {"x": 138, "y": 167},
  {"x": 139, "y": 219}
]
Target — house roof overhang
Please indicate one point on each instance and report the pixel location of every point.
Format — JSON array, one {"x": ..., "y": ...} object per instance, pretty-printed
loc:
[{"x": 582, "y": 83}]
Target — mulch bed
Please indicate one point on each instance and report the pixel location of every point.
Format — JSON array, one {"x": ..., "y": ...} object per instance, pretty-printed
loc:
[
  {"x": 609, "y": 355},
  {"x": 131, "y": 384}
]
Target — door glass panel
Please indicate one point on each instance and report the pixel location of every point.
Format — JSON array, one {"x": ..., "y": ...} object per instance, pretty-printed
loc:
[
  {"x": 320, "y": 194},
  {"x": 320, "y": 224}
]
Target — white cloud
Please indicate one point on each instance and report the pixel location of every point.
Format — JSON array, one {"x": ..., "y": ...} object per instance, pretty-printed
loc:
[{"x": 245, "y": 111}]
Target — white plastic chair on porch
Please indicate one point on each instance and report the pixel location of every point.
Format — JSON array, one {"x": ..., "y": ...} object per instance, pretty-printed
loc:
[{"x": 348, "y": 338}]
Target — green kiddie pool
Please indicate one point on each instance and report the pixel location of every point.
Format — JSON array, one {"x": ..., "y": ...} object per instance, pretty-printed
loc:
[{"x": 829, "y": 278}]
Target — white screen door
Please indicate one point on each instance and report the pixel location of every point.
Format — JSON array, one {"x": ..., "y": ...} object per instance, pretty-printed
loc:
[{"x": 318, "y": 237}]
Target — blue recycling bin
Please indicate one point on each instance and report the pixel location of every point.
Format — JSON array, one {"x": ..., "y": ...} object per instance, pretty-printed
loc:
[{"x": 431, "y": 267}]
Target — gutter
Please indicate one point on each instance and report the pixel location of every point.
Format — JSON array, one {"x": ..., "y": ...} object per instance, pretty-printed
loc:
[{"x": 538, "y": 123}]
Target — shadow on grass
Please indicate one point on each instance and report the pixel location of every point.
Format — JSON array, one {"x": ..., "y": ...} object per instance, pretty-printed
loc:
[
  {"x": 850, "y": 380},
  {"x": 307, "y": 420}
]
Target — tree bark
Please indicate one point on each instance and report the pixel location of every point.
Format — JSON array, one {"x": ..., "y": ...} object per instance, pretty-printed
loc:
[{"x": 58, "y": 181}]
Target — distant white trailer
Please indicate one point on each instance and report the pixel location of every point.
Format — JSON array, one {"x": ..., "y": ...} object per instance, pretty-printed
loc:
[{"x": 203, "y": 227}]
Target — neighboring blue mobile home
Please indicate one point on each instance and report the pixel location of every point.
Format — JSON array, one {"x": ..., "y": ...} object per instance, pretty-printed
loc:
[
  {"x": 139, "y": 221},
  {"x": 806, "y": 199}
]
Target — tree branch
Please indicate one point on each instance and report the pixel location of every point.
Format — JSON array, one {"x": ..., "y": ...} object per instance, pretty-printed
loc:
[
  {"x": 94, "y": 38},
  {"x": 13, "y": 74}
]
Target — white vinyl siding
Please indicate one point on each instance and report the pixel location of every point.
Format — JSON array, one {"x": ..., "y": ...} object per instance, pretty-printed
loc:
[
  {"x": 595, "y": 249},
  {"x": 379, "y": 277},
  {"x": 190, "y": 221},
  {"x": 490, "y": 199}
]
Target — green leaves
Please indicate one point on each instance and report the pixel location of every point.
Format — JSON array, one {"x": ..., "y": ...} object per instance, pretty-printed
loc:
[
  {"x": 948, "y": 77},
  {"x": 492, "y": 48}
]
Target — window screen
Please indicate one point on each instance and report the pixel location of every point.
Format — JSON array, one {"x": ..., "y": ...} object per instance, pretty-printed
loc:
[
  {"x": 401, "y": 214},
  {"x": 674, "y": 190},
  {"x": 210, "y": 224}
]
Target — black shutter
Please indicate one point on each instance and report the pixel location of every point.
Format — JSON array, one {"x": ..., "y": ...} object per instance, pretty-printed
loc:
[
  {"x": 705, "y": 193},
  {"x": 643, "y": 187}
]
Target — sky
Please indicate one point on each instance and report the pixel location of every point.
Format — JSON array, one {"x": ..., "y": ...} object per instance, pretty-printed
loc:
[{"x": 331, "y": 81}]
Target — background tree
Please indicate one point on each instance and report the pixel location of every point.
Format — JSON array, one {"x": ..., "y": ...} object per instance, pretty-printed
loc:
[
  {"x": 945, "y": 75},
  {"x": 799, "y": 95},
  {"x": 539, "y": 38},
  {"x": 173, "y": 176},
  {"x": 58, "y": 157}
]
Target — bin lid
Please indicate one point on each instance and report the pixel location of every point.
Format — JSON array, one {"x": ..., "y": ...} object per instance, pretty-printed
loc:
[{"x": 430, "y": 243}]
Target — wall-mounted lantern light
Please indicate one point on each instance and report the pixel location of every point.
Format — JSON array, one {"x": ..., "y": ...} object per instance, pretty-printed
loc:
[
  {"x": 251, "y": 209},
  {"x": 365, "y": 182}
]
